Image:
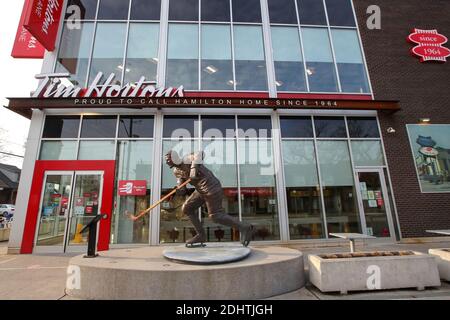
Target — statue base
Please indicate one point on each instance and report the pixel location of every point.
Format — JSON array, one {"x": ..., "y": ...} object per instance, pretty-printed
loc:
[{"x": 144, "y": 273}]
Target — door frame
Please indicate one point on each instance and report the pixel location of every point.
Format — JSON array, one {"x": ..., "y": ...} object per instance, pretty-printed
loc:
[
  {"x": 33, "y": 214},
  {"x": 387, "y": 205}
]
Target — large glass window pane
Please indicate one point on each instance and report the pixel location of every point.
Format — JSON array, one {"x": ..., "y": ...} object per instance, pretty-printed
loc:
[
  {"x": 113, "y": 10},
  {"x": 296, "y": 127},
  {"x": 319, "y": 60},
  {"x": 254, "y": 127},
  {"x": 246, "y": 11},
  {"x": 287, "y": 55},
  {"x": 61, "y": 127},
  {"x": 330, "y": 127},
  {"x": 217, "y": 68},
  {"x": 340, "y": 13},
  {"x": 174, "y": 225},
  {"x": 349, "y": 61},
  {"x": 74, "y": 52},
  {"x": 183, "y": 10},
  {"x": 180, "y": 126},
  {"x": 88, "y": 8},
  {"x": 136, "y": 127},
  {"x": 99, "y": 127},
  {"x": 215, "y": 10},
  {"x": 142, "y": 53},
  {"x": 282, "y": 11},
  {"x": 362, "y": 127},
  {"x": 96, "y": 150},
  {"x": 311, "y": 12},
  {"x": 367, "y": 153},
  {"x": 134, "y": 164},
  {"x": 339, "y": 191},
  {"x": 258, "y": 190},
  {"x": 58, "y": 150},
  {"x": 182, "y": 56},
  {"x": 218, "y": 126},
  {"x": 108, "y": 54},
  {"x": 220, "y": 158},
  {"x": 145, "y": 10},
  {"x": 249, "y": 57},
  {"x": 302, "y": 190}
]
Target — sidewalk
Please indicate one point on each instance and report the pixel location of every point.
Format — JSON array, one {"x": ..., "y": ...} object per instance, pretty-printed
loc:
[{"x": 30, "y": 277}]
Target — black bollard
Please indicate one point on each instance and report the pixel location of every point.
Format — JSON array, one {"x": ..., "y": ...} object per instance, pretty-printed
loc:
[{"x": 92, "y": 237}]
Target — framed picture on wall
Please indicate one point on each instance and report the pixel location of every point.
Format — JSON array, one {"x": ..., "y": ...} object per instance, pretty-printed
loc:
[{"x": 430, "y": 145}]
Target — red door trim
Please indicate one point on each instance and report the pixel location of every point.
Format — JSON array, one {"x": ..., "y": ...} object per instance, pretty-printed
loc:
[{"x": 31, "y": 220}]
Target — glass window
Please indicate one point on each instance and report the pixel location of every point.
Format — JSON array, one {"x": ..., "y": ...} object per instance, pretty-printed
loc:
[
  {"x": 99, "y": 127},
  {"x": 183, "y": 10},
  {"x": 287, "y": 55},
  {"x": 302, "y": 190},
  {"x": 180, "y": 126},
  {"x": 340, "y": 13},
  {"x": 218, "y": 126},
  {"x": 349, "y": 61},
  {"x": 108, "y": 55},
  {"x": 74, "y": 52},
  {"x": 311, "y": 12},
  {"x": 136, "y": 127},
  {"x": 58, "y": 150},
  {"x": 362, "y": 127},
  {"x": 330, "y": 127},
  {"x": 113, "y": 10},
  {"x": 215, "y": 10},
  {"x": 367, "y": 153},
  {"x": 88, "y": 8},
  {"x": 145, "y": 10},
  {"x": 182, "y": 56},
  {"x": 282, "y": 11},
  {"x": 249, "y": 57},
  {"x": 61, "y": 127},
  {"x": 296, "y": 127},
  {"x": 319, "y": 60},
  {"x": 217, "y": 68},
  {"x": 339, "y": 192},
  {"x": 135, "y": 163},
  {"x": 246, "y": 11},
  {"x": 142, "y": 52},
  {"x": 258, "y": 190},
  {"x": 97, "y": 150},
  {"x": 252, "y": 127}
]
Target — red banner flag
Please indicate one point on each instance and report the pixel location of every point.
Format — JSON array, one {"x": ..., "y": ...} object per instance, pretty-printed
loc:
[
  {"x": 25, "y": 45},
  {"x": 42, "y": 21}
]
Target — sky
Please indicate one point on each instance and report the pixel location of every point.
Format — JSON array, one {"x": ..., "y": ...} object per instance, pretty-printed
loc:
[{"x": 17, "y": 80}]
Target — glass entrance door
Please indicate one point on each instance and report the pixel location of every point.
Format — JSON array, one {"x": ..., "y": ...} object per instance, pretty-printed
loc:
[
  {"x": 374, "y": 203},
  {"x": 70, "y": 200}
]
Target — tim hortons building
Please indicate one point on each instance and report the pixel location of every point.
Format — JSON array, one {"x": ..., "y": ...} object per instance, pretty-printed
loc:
[{"x": 318, "y": 116}]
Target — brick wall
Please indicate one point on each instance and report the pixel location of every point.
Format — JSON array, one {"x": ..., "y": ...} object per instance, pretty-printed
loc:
[{"x": 423, "y": 90}]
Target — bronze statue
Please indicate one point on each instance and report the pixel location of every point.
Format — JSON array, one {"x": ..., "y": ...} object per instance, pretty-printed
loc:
[{"x": 208, "y": 190}]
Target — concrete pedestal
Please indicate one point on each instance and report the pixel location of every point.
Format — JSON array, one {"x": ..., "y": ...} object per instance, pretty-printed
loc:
[
  {"x": 143, "y": 273},
  {"x": 443, "y": 261}
]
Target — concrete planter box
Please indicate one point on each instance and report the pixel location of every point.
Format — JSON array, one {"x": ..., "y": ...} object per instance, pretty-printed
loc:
[
  {"x": 443, "y": 261},
  {"x": 363, "y": 273},
  {"x": 4, "y": 234}
]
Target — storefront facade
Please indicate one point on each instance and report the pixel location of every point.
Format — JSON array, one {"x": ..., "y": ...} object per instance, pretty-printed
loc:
[{"x": 276, "y": 93}]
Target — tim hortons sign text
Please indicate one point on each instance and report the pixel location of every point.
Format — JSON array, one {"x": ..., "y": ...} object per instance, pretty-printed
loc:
[
  {"x": 429, "y": 45},
  {"x": 51, "y": 87}
]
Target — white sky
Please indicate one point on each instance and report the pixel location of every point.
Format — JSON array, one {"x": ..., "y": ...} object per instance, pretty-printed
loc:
[{"x": 16, "y": 80}]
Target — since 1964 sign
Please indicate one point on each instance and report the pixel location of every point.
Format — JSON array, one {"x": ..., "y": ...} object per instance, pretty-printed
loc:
[{"x": 429, "y": 45}]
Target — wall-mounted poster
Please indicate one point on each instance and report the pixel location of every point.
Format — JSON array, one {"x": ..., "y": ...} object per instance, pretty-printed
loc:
[{"x": 430, "y": 145}]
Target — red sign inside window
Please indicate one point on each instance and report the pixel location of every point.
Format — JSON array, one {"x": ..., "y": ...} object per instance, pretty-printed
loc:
[
  {"x": 132, "y": 187},
  {"x": 42, "y": 20},
  {"x": 429, "y": 45},
  {"x": 25, "y": 45}
]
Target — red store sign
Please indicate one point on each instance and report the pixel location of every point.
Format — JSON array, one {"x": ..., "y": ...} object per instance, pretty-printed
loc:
[
  {"x": 429, "y": 45},
  {"x": 132, "y": 187},
  {"x": 42, "y": 20}
]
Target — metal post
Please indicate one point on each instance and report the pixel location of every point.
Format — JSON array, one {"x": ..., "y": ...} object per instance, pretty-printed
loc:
[{"x": 352, "y": 245}]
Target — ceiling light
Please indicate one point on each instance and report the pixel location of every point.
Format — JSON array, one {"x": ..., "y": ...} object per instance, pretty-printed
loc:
[
  {"x": 230, "y": 82},
  {"x": 211, "y": 69},
  {"x": 310, "y": 72},
  {"x": 279, "y": 83},
  {"x": 425, "y": 120}
]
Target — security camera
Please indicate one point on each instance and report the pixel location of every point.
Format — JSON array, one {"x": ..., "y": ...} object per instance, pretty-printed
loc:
[{"x": 390, "y": 130}]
